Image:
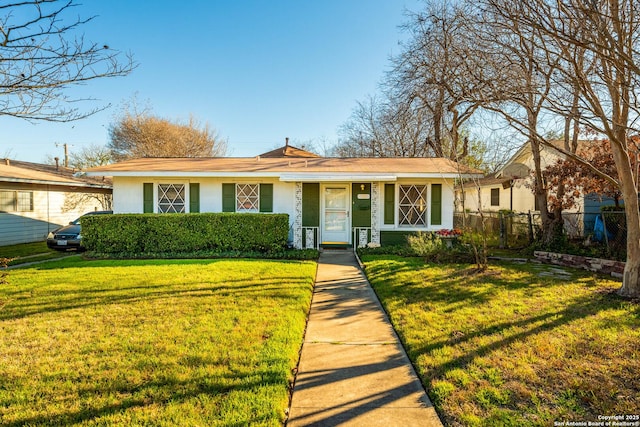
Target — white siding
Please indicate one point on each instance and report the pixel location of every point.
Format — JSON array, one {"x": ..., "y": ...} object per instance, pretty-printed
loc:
[
  {"x": 47, "y": 215},
  {"x": 128, "y": 193},
  {"x": 128, "y": 197}
]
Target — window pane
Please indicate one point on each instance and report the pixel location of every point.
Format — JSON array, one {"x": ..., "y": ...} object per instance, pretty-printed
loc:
[
  {"x": 25, "y": 201},
  {"x": 247, "y": 197},
  {"x": 335, "y": 198},
  {"x": 412, "y": 207},
  {"x": 335, "y": 221},
  {"x": 495, "y": 197},
  {"x": 7, "y": 201},
  {"x": 171, "y": 198}
]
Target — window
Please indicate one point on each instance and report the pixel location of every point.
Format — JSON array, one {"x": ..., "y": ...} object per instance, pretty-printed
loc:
[
  {"x": 247, "y": 197},
  {"x": 16, "y": 201},
  {"x": 7, "y": 202},
  {"x": 171, "y": 198},
  {"x": 495, "y": 197},
  {"x": 412, "y": 206},
  {"x": 24, "y": 201}
]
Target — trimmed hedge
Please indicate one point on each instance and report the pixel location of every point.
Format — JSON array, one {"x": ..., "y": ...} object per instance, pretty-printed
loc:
[{"x": 182, "y": 233}]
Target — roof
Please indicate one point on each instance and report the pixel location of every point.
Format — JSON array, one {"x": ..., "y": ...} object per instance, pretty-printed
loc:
[
  {"x": 288, "y": 151},
  {"x": 36, "y": 173},
  {"x": 490, "y": 181},
  {"x": 290, "y": 169}
]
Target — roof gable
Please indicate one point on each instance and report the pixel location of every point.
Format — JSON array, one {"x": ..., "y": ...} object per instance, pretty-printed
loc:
[{"x": 288, "y": 151}]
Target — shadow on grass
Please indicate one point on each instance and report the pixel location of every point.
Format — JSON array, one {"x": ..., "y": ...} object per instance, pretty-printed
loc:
[
  {"x": 584, "y": 307},
  {"x": 22, "y": 304},
  {"x": 454, "y": 287},
  {"x": 451, "y": 291},
  {"x": 162, "y": 392},
  {"x": 78, "y": 262}
]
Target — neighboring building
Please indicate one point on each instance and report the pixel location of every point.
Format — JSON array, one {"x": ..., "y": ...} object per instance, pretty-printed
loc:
[
  {"x": 510, "y": 188},
  {"x": 330, "y": 201},
  {"x": 37, "y": 198}
]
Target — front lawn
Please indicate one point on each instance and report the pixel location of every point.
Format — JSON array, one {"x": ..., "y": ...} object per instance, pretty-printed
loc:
[
  {"x": 188, "y": 342},
  {"x": 517, "y": 345},
  {"x": 29, "y": 252}
]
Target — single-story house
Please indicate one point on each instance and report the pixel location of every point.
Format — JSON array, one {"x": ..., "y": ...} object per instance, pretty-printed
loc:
[
  {"x": 330, "y": 201},
  {"x": 37, "y": 198}
]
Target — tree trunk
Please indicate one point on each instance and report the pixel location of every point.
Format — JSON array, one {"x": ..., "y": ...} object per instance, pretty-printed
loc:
[
  {"x": 631, "y": 279},
  {"x": 550, "y": 229}
]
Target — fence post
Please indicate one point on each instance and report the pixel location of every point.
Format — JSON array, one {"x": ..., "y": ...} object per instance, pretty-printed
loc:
[
  {"x": 502, "y": 230},
  {"x": 530, "y": 220}
]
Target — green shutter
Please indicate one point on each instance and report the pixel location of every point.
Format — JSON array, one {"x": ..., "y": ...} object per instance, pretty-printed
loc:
[
  {"x": 228, "y": 197},
  {"x": 147, "y": 197},
  {"x": 436, "y": 204},
  {"x": 194, "y": 197},
  {"x": 310, "y": 204},
  {"x": 266, "y": 197},
  {"x": 389, "y": 203}
]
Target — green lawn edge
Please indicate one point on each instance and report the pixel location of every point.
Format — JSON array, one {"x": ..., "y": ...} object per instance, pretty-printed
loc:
[
  {"x": 521, "y": 344},
  {"x": 152, "y": 342}
]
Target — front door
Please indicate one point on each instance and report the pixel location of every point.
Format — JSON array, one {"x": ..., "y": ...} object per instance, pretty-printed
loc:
[{"x": 335, "y": 225}]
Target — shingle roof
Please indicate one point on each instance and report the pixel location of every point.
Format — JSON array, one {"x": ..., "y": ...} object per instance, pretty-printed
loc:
[
  {"x": 27, "y": 172},
  {"x": 272, "y": 166}
]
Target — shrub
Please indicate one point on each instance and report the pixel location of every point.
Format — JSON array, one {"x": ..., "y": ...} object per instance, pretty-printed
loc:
[
  {"x": 185, "y": 233},
  {"x": 425, "y": 244}
]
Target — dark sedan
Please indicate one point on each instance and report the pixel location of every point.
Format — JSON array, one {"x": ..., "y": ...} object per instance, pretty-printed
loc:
[{"x": 69, "y": 237}]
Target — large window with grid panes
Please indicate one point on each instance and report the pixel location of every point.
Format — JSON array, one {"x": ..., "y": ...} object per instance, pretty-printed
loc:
[{"x": 16, "y": 201}]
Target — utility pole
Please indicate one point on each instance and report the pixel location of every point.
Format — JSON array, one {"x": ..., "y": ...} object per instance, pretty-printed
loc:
[{"x": 66, "y": 153}]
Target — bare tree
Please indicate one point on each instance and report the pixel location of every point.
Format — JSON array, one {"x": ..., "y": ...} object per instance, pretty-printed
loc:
[
  {"x": 431, "y": 74},
  {"x": 144, "y": 135},
  {"x": 608, "y": 32},
  {"x": 517, "y": 79},
  {"x": 384, "y": 128},
  {"x": 41, "y": 56},
  {"x": 75, "y": 201},
  {"x": 90, "y": 156}
]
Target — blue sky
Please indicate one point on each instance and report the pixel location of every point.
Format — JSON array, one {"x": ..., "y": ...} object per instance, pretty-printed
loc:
[{"x": 257, "y": 71}]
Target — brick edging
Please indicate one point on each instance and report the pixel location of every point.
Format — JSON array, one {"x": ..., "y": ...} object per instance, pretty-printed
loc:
[{"x": 599, "y": 265}]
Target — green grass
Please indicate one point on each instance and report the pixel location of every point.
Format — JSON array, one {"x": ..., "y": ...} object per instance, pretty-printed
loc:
[
  {"x": 513, "y": 346},
  {"x": 189, "y": 342},
  {"x": 37, "y": 251}
]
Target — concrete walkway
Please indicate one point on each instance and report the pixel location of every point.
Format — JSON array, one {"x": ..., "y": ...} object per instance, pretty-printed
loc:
[{"x": 353, "y": 370}]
